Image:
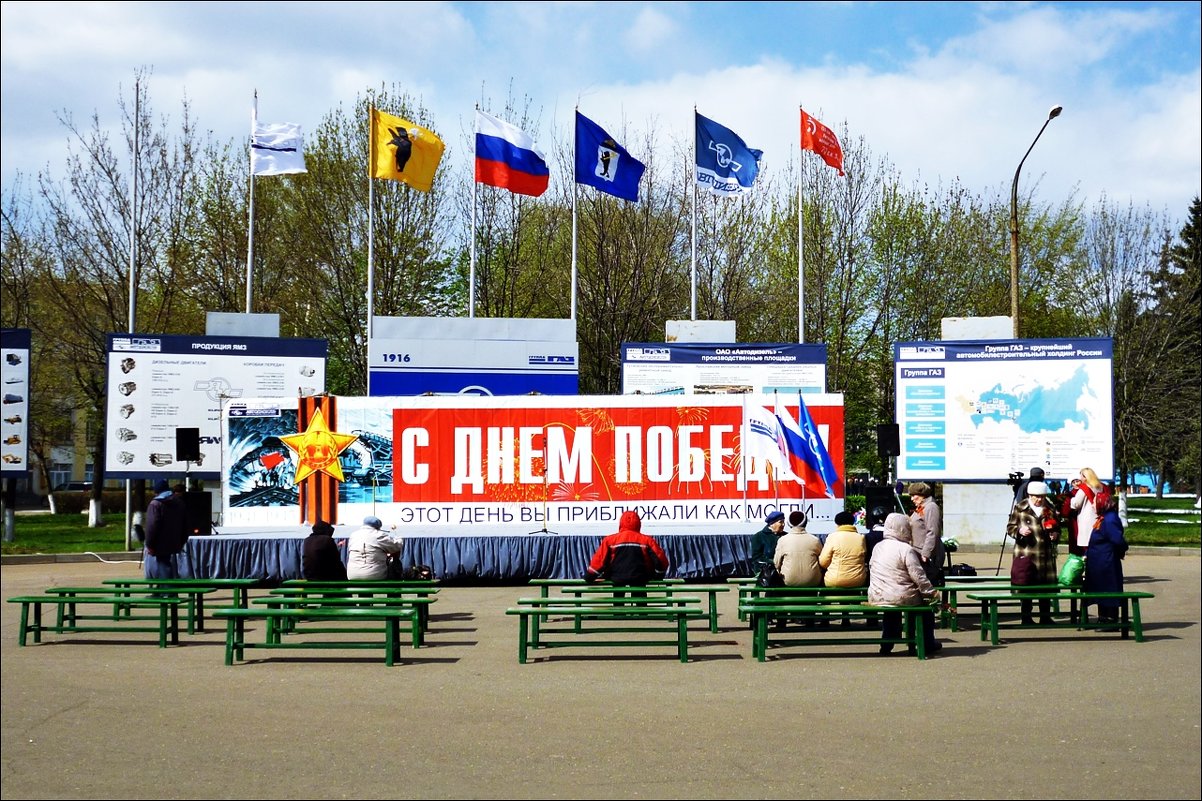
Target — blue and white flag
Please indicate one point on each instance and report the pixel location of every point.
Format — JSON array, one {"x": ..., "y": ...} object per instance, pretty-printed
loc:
[
  {"x": 604, "y": 164},
  {"x": 277, "y": 149},
  {"x": 725, "y": 165},
  {"x": 762, "y": 440}
]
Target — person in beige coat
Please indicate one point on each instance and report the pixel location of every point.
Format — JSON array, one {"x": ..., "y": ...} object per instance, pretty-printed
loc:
[
  {"x": 797, "y": 555},
  {"x": 843, "y": 554}
]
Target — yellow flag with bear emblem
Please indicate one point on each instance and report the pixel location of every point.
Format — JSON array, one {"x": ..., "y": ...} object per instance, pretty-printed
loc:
[{"x": 403, "y": 151}]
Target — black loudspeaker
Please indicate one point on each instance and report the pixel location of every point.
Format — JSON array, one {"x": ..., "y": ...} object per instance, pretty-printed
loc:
[
  {"x": 187, "y": 444},
  {"x": 198, "y": 513},
  {"x": 888, "y": 441},
  {"x": 881, "y": 498}
]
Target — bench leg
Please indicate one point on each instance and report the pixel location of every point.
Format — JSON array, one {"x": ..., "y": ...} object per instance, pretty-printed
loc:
[
  {"x": 25, "y": 622},
  {"x": 392, "y": 636},
  {"x": 759, "y": 642},
  {"x": 522, "y": 633},
  {"x": 231, "y": 629},
  {"x": 163, "y": 625},
  {"x": 1136, "y": 622},
  {"x": 682, "y": 637},
  {"x": 917, "y": 626},
  {"x": 714, "y": 612}
]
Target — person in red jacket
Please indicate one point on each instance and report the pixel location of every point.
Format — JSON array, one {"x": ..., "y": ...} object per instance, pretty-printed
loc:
[{"x": 629, "y": 557}]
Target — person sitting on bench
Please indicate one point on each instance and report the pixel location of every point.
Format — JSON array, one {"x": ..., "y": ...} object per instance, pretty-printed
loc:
[
  {"x": 320, "y": 559},
  {"x": 370, "y": 551},
  {"x": 897, "y": 578},
  {"x": 628, "y": 557}
]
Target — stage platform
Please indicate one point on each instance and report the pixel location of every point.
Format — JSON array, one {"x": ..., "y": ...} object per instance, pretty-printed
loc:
[{"x": 503, "y": 555}]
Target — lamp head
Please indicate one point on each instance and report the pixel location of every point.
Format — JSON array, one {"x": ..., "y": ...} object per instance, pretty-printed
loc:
[{"x": 1055, "y": 112}]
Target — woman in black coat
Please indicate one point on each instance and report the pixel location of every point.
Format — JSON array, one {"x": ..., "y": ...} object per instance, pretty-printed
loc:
[{"x": 320, "y": 557}]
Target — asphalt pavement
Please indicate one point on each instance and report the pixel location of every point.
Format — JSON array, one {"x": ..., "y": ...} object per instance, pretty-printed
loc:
[{"x": 1067, "y": 714}]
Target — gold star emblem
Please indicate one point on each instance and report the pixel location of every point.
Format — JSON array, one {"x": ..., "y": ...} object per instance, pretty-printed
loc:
[{"x": 318, "y": 448}]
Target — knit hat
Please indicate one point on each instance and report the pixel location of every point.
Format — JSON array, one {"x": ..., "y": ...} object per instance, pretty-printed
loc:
[
  {"x": 373, "y": 522},
  {"x": 1037, "y": 488},
  {"x": 845, "y": 519},
  {"x": 774, "y": 516},
  {"x": 161, "y": 486},
  {"x": 323, "y": 528},
  {"x": 630, "y": 521},
  {"x": 796, "y": 518}
]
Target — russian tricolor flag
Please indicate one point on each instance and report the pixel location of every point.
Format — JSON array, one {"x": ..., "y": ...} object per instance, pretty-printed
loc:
[
  {"x": 808, "y": 458},
  {"x": 507, "y": 157}
]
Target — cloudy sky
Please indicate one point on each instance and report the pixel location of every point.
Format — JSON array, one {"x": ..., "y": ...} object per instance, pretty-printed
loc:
[{"x": 943, "y": 91}]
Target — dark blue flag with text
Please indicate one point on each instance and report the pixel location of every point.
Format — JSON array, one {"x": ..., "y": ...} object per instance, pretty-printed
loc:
[{"x": 725, "y": 165}]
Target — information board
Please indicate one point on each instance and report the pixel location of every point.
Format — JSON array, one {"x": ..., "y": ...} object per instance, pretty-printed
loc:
[
  {"x": 14, "y": 377},
  {"x": 693, "y": 368},
  {"x": 978, "y": 410},
  {"x": 158, "y": 383}
]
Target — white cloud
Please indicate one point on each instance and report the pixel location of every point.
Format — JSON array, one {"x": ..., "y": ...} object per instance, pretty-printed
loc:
[
  {"x": 650, "y": 29},
  {"x": 954, "y": 103}
]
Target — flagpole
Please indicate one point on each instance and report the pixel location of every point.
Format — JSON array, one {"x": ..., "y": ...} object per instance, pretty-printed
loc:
[
  {"x": 693, "y": 249},
  {"x": 575, "y": 191},
  {"x": 801, "y": 290},
  {"x": 743, "y": 437},
  {"x": 371, "y": 213},
  {"x": 471, "y": 277},
  {"x": 776, "y": 475},
  {"x": 133, "y": 297},
  {"x": 250, "y": 224}
]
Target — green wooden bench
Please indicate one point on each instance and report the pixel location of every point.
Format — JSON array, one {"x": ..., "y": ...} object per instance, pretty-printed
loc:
[
  {"x": 350, "y": 590},
  {"x": 632, "y": 612},
  {"x": 391, "y": 617},
  {"x": 761, "y": 610},
  {"x": 193, "y": 596},
  {"x": 654, "y": 590},
  {"x": 949, "y": 611},
  {"x": 992, "y": 602},
  {"x": 573, "y": 586},
  {"x": 239, "y": 589},
  {"x": 614, "y": 598},
  {"x": 750, "y": 591},
  {"x": 68, "y": 619},
  {"x": 285, "y": 598}
]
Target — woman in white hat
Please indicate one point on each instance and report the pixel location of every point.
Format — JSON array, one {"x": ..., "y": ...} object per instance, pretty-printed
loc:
[{"x": 1035, "y": 527}]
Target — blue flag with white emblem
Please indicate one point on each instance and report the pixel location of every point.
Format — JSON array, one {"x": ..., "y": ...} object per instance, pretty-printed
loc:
[
  {"x": 725, "y": 165},
  {"x": 604, "y": 164}
]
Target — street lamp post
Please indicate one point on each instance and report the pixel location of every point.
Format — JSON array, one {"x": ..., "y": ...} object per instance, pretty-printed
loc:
[{"x": 1053, "y": 114}]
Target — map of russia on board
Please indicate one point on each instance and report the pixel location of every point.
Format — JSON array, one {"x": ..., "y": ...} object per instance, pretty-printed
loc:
[{"x": 977, "y": 410}]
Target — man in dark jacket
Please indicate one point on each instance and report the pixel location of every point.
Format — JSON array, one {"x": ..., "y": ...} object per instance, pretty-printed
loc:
[
  {"x": 166, "y": 533},
  {"x": 763, "y": 542},
  {"x": 320, "y": 558},
  {"x": 629, "y": 557}
]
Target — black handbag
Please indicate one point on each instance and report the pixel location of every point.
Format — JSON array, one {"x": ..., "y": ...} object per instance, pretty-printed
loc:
[{"x": 770, "y": 577}]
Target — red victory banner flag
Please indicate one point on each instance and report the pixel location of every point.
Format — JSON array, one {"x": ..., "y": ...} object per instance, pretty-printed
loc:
[{"x": 819, "y": 139}]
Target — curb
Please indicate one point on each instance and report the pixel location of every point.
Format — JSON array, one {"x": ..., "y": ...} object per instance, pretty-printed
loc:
[{"x": 63, "y": 558}]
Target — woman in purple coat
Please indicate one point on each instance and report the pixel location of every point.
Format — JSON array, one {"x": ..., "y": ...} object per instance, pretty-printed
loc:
[{"x": 1104, "y": 561}]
